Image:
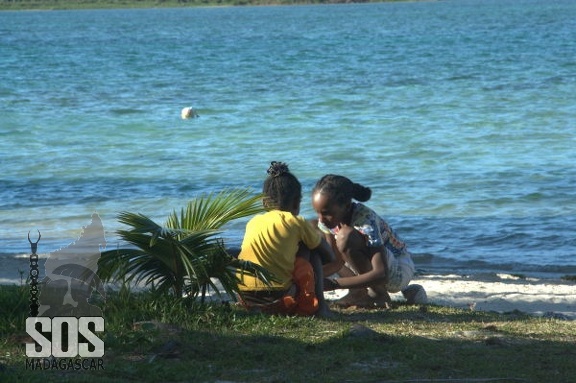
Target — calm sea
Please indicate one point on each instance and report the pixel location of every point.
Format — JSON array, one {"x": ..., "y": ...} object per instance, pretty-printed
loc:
[{"x": 460, "y": 115}]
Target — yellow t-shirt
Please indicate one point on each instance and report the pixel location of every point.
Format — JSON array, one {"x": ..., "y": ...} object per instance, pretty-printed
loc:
[{"x": 271, "y": 241}]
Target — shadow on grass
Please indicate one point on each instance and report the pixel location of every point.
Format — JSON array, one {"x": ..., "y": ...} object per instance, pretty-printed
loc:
[
  {"x": 225, "y": 344},
  {"x": 199, "y": 356}
]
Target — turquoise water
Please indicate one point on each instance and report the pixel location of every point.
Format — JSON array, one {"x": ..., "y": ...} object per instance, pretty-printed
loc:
[{"x": 460, "y": 115}]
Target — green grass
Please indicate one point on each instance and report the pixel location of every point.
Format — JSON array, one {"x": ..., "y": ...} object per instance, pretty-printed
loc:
[{"x": 222, "y": 343}]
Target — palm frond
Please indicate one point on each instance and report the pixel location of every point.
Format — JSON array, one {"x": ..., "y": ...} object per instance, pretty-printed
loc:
[
  {"x": 186, "y": 253},
  {"x": 252, "y": 269},
  {"x": 142, "y": 224},
  {"x": 216, "y": 209}
]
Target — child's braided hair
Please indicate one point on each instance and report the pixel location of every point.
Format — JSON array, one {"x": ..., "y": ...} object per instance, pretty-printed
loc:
[
  {"x": 281, "y": 188},
  {"x": 341, "y": 190}
]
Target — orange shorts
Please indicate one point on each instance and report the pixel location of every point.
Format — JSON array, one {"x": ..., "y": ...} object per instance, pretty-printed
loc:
[{"x": 280, "y": 302}]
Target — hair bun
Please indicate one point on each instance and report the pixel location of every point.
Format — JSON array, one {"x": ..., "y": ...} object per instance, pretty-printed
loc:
[{"x": 277, "y": 169}]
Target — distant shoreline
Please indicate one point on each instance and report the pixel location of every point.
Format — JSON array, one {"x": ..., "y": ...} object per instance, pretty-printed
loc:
[{"x": 49, "y": 5}]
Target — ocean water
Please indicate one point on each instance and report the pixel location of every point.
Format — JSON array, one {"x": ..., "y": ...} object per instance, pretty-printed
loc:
[{"x": 460, "y": 115}]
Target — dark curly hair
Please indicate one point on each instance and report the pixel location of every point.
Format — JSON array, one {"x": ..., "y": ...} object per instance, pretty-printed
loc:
[
  {"x": 281, "y": 188},
  {"x": 341, "y": 190}
]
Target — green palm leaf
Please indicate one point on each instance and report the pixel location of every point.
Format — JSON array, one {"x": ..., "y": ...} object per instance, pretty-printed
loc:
[
  {"x": 186, "y": 255},
  {"x": 216, "y": 209}
]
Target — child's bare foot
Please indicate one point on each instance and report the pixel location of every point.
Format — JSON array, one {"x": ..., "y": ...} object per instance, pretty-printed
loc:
[
  {"x": 361, "y": 298},
  {"x": 355, "y": 297}
]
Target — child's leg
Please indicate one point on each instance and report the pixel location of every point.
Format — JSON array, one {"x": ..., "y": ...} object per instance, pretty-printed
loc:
[
  {"x": 316, "y": 262},
  {"x": 358, "y": 256}
]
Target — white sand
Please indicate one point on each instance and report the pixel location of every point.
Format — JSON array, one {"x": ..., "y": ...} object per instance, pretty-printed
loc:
[
  {"x": 487, "y": 292},
  {"x": 497, "y": 292}
]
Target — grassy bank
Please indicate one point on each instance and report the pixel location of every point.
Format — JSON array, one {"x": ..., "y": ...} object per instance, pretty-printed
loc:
[
  {"x": 221, "y": 342},
  {"x": 111, "y": 4}
]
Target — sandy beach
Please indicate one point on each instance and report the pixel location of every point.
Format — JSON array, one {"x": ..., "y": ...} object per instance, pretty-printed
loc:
[
  {"x": 479, "y": 291},
  {"x": 497, "y": 292}
]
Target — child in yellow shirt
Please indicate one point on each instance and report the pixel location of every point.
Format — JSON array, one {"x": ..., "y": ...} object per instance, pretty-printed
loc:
[{"x": 289, "y": 247}]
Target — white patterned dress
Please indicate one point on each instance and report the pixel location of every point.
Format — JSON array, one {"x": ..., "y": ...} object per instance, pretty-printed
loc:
[{"x": 379, "y": 234}]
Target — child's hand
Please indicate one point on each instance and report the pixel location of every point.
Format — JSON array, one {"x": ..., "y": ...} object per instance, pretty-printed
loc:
[{"x": 330, "y": 284}]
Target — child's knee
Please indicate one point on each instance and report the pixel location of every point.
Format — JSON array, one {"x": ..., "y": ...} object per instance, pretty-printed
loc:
[{"x": 350, "y": 240}]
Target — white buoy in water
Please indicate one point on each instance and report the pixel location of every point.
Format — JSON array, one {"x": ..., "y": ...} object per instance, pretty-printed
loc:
[{"x": 188, "y": 112}]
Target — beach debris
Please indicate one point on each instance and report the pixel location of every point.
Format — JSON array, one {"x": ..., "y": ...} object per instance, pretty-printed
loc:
[{"x": 188, "y": 112}]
